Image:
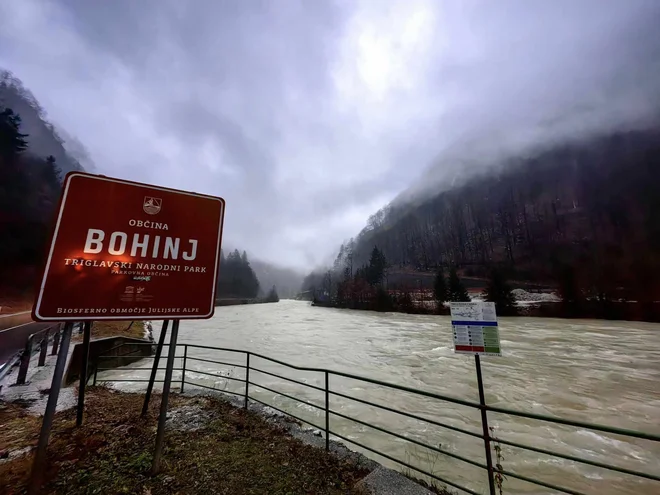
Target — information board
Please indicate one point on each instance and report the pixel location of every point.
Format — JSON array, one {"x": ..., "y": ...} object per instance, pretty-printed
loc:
[
  {"x": 475, "y": 330},
  {"x": 124, "y": 250}
]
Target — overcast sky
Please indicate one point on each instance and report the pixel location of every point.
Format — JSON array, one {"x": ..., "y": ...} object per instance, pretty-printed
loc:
[{"x": 308, "y": 116}]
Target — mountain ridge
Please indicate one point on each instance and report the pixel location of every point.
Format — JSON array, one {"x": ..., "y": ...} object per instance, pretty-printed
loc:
[
  {"x": 588, "y": 205},
  {"x": 44, "y": 139}
]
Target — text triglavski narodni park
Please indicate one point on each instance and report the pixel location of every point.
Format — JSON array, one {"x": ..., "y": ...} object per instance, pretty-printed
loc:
[{"x": 123, "y": 249}]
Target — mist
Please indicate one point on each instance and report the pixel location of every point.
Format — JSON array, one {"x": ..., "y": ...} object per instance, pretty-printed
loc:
[
  {"x": 565, "y": 73},
  {"x": 309, "y": 116}
]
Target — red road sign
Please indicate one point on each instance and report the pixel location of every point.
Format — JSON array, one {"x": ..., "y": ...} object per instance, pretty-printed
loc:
[{"x": 124, "y": 250}]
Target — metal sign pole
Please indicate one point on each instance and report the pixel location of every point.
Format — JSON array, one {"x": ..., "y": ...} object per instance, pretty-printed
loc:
[
  {"x": 160, "y": 435},
  {"x": 83, "y": 373},
  {"x": 154, "y": 369},
  {"x": 484, "y": 424},
  {"x": 40, "y": 457}
]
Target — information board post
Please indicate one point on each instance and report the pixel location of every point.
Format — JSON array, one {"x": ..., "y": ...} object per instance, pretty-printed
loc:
[
  {"x": 83, "y": 373},
  {"x": 475, "y": 331},
  {"x": 154, "y": 368},
  {"x": 160, "y": 434},
  {"x": 484, "y": 425}
]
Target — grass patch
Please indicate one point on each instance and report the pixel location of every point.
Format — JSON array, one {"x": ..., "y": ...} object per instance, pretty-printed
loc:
[
  {"x": 233, "y": 452},
  {"x": 17, "y": 428},
  {"x": 101, "y": 329}
]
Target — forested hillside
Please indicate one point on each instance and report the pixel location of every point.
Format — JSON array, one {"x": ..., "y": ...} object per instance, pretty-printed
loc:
[
  {"x": 236, "y": 278},
  {"x": 586, "y": 212},
  {"x": 33, "y": 160},
  {"x": 42, "y": 137},
  {"x": 29, "y": 191}
]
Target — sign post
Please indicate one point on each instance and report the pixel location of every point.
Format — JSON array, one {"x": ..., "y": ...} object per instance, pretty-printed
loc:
[
  {"x": 160, "y": 434},
  {"x": 475, "y": 331},
  {"x": 83, "y": 373},
  {"x": 51, "y": 405},
  {"x": 154, "y": 368},
  {"x": 124, "y": 250}
]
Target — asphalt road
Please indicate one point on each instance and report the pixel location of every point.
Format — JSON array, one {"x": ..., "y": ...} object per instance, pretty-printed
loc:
[{"x": 14, "y": 332}]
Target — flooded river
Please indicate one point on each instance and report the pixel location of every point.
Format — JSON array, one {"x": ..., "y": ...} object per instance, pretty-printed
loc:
[{"x": 595, "y": 371}]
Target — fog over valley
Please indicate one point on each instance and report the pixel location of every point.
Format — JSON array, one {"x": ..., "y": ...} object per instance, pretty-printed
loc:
[{"x": 308, "y": 117}]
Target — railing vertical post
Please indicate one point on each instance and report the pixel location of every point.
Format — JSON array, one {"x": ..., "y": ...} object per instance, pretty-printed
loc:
[
  {"x": 43, "y": 348},
  {"x": 484, "y": 425},
  {"x": 247, "y": 380},
  {"x": 25, "y": 361},
  {"x": 56, "y": 340},
  {"x": 183, "y": 371},
  {"x": 96, "y": 370},
  {"x": 327, "y": 411}
]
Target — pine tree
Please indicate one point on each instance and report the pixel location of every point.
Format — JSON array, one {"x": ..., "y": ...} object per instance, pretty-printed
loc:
[
  {"x": 572, "y": 298},
  {"x": 456, "y": 292},
  {"x": 498, "y": 291},
  {"x": 236, "y": 277},
  {"x": 440, "y": 287},
  {"x": 377, "y": 267},
  {"x": 51, "y": 172},
  {"x": 272, "y": 295},
  {"x": 12, "y": 141}
]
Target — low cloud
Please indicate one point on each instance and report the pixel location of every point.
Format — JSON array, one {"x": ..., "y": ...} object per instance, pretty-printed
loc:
[{"x": 307, "y": 116}]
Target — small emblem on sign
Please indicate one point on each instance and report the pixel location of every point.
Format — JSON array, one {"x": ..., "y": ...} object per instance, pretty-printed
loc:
[{"x": 152, "y": 205}]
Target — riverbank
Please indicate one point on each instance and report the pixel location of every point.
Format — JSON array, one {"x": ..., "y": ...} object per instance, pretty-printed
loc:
[
  {"x": 588, "y": 310},
  {"x": 238, "y": 301},
  {"x": 128, "y": 328},
  {"x": 211, "y": 447}
]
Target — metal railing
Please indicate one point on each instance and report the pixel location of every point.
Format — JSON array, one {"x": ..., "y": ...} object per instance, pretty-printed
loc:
[
  {"x": 488, "y": 440},
  {"x": 42, "y": 338}
]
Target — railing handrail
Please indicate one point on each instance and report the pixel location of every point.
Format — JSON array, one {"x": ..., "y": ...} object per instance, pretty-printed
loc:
[
  {"x": 28, "y": 350},
  {"x": 403, "y": 388},
  {"x": 482, "y": 406},
  {"x": 425, "y": 393}
]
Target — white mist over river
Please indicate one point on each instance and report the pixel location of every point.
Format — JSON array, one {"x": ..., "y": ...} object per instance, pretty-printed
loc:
[{"x": 596, "y": 371}]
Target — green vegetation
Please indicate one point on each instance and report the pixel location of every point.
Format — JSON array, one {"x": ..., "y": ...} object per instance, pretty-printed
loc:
[
  {"x": 272, "y": 295},
  {"x": 499, "y": 292},
  {"x": 236, "y": 279},
  {"x": 456, "y": 291},
  {"x": 29, "y": 191},
  {"x": 440, "y": 288}
]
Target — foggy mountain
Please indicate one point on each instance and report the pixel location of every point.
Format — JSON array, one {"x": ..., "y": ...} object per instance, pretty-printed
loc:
[
  {"x": 287, "y": 281},
  {"x": 44, "y": 139},
  {"x": 587, "y": 207}
]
